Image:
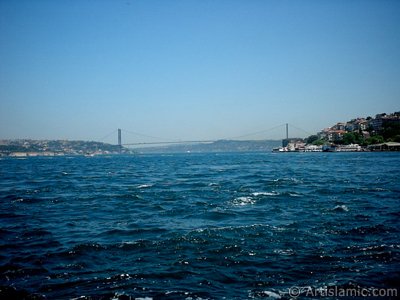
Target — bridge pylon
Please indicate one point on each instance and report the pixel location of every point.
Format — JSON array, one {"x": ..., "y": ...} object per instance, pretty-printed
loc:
[{"x": 119, "y": 140}]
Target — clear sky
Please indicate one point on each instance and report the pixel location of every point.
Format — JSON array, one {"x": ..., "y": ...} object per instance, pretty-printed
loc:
[{"x": 194, "y": 69}]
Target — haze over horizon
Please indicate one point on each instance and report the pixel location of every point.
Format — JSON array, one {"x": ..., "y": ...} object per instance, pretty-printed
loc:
[{"x": 194, "y": 70}]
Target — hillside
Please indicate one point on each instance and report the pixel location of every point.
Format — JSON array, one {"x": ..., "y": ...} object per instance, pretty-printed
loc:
[
  {"x": 27, "y": 147},
  {"x": 217, "y": 146}
]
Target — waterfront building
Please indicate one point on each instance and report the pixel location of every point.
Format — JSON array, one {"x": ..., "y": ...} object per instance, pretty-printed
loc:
[{"x": 389, "y": 146}]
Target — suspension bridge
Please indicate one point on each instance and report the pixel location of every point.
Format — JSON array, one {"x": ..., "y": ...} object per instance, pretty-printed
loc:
[{"x": 161, "y": 141}]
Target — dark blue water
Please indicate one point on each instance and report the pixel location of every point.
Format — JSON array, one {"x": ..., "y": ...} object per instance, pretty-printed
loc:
[{"x": 198, "y": 226}]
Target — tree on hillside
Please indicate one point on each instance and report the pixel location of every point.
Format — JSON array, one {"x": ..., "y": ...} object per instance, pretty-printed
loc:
[
  {"x": 376, "y": 139},
  {"x": 315, "y": 140},
  {"x": 353, "y": 138},
  {"x": 390, "y": 130},
  {"x": 311, "y": 139}
]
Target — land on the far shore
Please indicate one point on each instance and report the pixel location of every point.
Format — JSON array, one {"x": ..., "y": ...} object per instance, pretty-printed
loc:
[
  {"x": 360, "y": 134},
  {"x": 27, "y": 147}
]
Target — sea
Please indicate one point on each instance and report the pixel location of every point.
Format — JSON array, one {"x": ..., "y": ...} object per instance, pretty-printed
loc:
[{"x": 201, "y": 226}]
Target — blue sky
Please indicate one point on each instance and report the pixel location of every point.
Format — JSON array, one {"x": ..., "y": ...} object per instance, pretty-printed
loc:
[{"x": 202, "y": 69}]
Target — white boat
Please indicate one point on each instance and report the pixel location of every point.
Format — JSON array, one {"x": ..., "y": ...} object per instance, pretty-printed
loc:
[{"x": 349, "y": 148}]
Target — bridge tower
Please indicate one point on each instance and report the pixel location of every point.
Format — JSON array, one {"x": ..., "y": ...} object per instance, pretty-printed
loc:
[
  {"x": 119, "y": 140},
  {"x": 285, "y": 142}
]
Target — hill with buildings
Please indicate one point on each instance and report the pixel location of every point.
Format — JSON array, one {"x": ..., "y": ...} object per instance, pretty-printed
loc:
[
  {"x": 363, "y": 131},
  {"x": 381, "y": 133},
  {"x": 27, "y": 147}
]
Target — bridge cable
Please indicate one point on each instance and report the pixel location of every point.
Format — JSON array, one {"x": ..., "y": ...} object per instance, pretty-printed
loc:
[
  {"x": 107, "y": 136},
  {"x": 291, "y": 125},
  {"x": 143, "y": 135},
  {"x": 258, "y": 132}
]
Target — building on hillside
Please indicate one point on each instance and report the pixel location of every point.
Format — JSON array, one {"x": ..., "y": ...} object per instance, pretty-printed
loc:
[
  {"x": 381, "y": 120},
  {"x": 376, "y": 124},
  {"x": 335, "y": 135},
  {"x": 292, "y": 141},
  {"x": 350, "y": 126},
  {"x": 366, "y": 134},
  {"x": 323, "y": 134},
  {"x": 359, "y": 124},
  {"x": 339, "y": 126}
]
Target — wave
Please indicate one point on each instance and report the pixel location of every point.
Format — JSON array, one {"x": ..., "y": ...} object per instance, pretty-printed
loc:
[
  {"x": 120, "y": 233},
  {"x": 340, "y": 208},
  {"x": 144, "y": 186},
  {"x": 242, "y": 201},
  {"x": 273, "y": 193}
]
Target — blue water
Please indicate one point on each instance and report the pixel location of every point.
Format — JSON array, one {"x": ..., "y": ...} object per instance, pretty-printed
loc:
[{"x": 198, "y": 226}]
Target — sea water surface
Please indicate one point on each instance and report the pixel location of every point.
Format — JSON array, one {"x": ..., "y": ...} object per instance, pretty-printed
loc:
[{"x": 198, "y": 226}]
